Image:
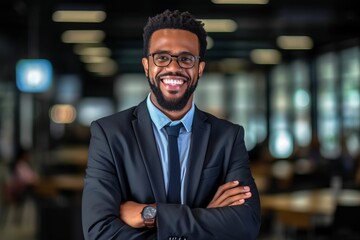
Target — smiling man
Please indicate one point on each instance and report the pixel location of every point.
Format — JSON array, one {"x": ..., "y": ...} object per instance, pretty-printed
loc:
[
  {"x": 171, "y": 71},
  {"x": 132, "y": 189}
]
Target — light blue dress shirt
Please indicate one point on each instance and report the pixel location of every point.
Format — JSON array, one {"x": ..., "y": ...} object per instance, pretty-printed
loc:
[{"x": 159, "y": 120}]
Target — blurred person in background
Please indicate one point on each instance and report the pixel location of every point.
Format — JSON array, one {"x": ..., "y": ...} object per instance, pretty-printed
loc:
[
  {"x": 19, "y": 186},
  {"x": 127, "y": 176}
]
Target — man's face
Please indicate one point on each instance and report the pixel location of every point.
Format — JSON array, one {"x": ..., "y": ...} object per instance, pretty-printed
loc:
[{"x": 172, "y": 85}]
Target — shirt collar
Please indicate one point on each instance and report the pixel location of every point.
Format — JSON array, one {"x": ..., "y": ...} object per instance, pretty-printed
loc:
[{"x": 160, "y": 119}]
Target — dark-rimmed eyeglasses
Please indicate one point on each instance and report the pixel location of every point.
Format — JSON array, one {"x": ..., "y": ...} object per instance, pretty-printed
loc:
[{"x": 185, "y": 60}]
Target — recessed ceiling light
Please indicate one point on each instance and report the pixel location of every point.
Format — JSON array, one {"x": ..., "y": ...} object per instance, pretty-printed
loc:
[
  {"x": 240, "y": 1},
  {"x": 219, "y": 25},
  {"x": 295, "y": 42},
  {"x": 83, "y": 36},
  {"x": 265, "y": 56},
  {"x": 79, "y": 16}
]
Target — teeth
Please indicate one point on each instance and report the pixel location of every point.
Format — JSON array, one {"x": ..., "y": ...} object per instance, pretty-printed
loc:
[{"x": 173, "y": 81}]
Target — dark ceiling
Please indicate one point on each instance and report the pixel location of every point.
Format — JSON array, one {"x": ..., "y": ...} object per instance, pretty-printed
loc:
[{"x": 27, "y": 29}]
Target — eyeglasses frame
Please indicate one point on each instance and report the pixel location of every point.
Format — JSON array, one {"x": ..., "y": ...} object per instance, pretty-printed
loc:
[{"x": 174, "y": 56}]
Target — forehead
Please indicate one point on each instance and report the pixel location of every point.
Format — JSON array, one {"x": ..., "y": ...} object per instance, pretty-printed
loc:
[{"x": 174, "y": 40}]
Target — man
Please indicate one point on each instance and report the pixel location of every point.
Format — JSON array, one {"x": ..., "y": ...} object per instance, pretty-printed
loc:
[{"x": 127, "y": 176}]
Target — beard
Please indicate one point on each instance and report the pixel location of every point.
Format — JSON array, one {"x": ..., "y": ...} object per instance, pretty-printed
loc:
[{"x": 171, "y": 105}]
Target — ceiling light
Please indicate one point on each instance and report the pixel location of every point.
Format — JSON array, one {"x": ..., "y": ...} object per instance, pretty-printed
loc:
[
  {"x": 295, "y": 42},
  {"x": 79, "y": 16},
  {"x": 93, "y": 59},
  {"x": 219, "y": 25},
  {"x": 79, "y": 48},
  {"x": 265, "y": 56},
  {"x": 83, "y": 36},
  {"x": 240, "y": 1},
  {"x": 109, "y": 67},
  {"x": 92, "y": 51}
]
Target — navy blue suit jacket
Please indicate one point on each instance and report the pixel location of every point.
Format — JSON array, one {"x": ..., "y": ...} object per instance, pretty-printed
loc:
[{"x": 124, "y": 164}]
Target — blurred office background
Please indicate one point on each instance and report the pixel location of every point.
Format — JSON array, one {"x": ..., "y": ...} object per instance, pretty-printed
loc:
[{"x": 288, "y": 71}]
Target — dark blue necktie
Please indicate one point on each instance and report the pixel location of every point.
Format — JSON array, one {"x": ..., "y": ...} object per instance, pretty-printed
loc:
[{"x": 173, "y": 195}]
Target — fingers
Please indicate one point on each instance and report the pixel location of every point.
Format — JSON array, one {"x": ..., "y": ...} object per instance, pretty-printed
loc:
[
  {"x": 239, "y": 199},
  {"x": 223, "y": 188},
  {"x": 230, "y": 194},
  {"x": 234, "y": 196}
]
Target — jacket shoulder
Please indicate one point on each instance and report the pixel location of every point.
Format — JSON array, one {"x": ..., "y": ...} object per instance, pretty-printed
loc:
[
  {"x": 217, "y": 121},
  {"x": 124, "y": 116}
]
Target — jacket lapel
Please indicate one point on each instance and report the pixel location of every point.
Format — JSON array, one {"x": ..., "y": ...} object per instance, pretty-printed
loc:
[
  {"x": 146, "y": 140},
  {"x": 199, "y": 143}
]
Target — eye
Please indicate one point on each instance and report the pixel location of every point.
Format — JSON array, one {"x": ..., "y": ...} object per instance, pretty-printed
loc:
[
  {"x": 162, "y": 57},
  {"x": 186, "y": 58}
]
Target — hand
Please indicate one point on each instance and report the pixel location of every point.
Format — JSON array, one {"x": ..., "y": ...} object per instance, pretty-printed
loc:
[
  {"x": 130, "y": 213},
  {"x": 230, "y": 194}
]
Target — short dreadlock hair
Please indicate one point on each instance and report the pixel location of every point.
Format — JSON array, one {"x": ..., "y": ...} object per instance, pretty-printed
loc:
[{"x": 174, "y": 20}]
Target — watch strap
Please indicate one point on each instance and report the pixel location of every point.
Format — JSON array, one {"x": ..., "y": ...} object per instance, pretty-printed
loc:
[{"x": 149, "y": 223}]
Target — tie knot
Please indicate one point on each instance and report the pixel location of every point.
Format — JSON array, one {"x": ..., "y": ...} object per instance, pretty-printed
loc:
[{"x": 173, "y": 130}]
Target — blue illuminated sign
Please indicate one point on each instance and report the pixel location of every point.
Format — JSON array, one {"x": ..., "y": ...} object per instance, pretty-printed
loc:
[{"x": 33, "y": 75}]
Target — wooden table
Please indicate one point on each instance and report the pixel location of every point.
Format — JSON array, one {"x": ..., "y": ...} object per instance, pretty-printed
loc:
[{"x": 300, "y": 209}]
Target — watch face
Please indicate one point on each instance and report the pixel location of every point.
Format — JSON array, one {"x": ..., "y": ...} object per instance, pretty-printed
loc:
[{"x": 149, "y": 212}]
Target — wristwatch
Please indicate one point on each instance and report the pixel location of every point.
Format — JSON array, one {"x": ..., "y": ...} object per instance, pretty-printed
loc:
[{"x": 148, "y": 215}]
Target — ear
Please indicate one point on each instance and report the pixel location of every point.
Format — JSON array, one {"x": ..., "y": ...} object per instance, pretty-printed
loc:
[
  {"x": 201, "y": 68},
  {"x": 145, "y": 63}
]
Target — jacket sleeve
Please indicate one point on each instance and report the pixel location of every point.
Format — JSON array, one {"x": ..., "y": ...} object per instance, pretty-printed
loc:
[
  {"x": 102, "y": 195},
  {"x": 225, "y": 223}
]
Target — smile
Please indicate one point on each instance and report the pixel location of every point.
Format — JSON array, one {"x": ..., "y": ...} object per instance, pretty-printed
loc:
[{"x": 173, "y": 82}]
